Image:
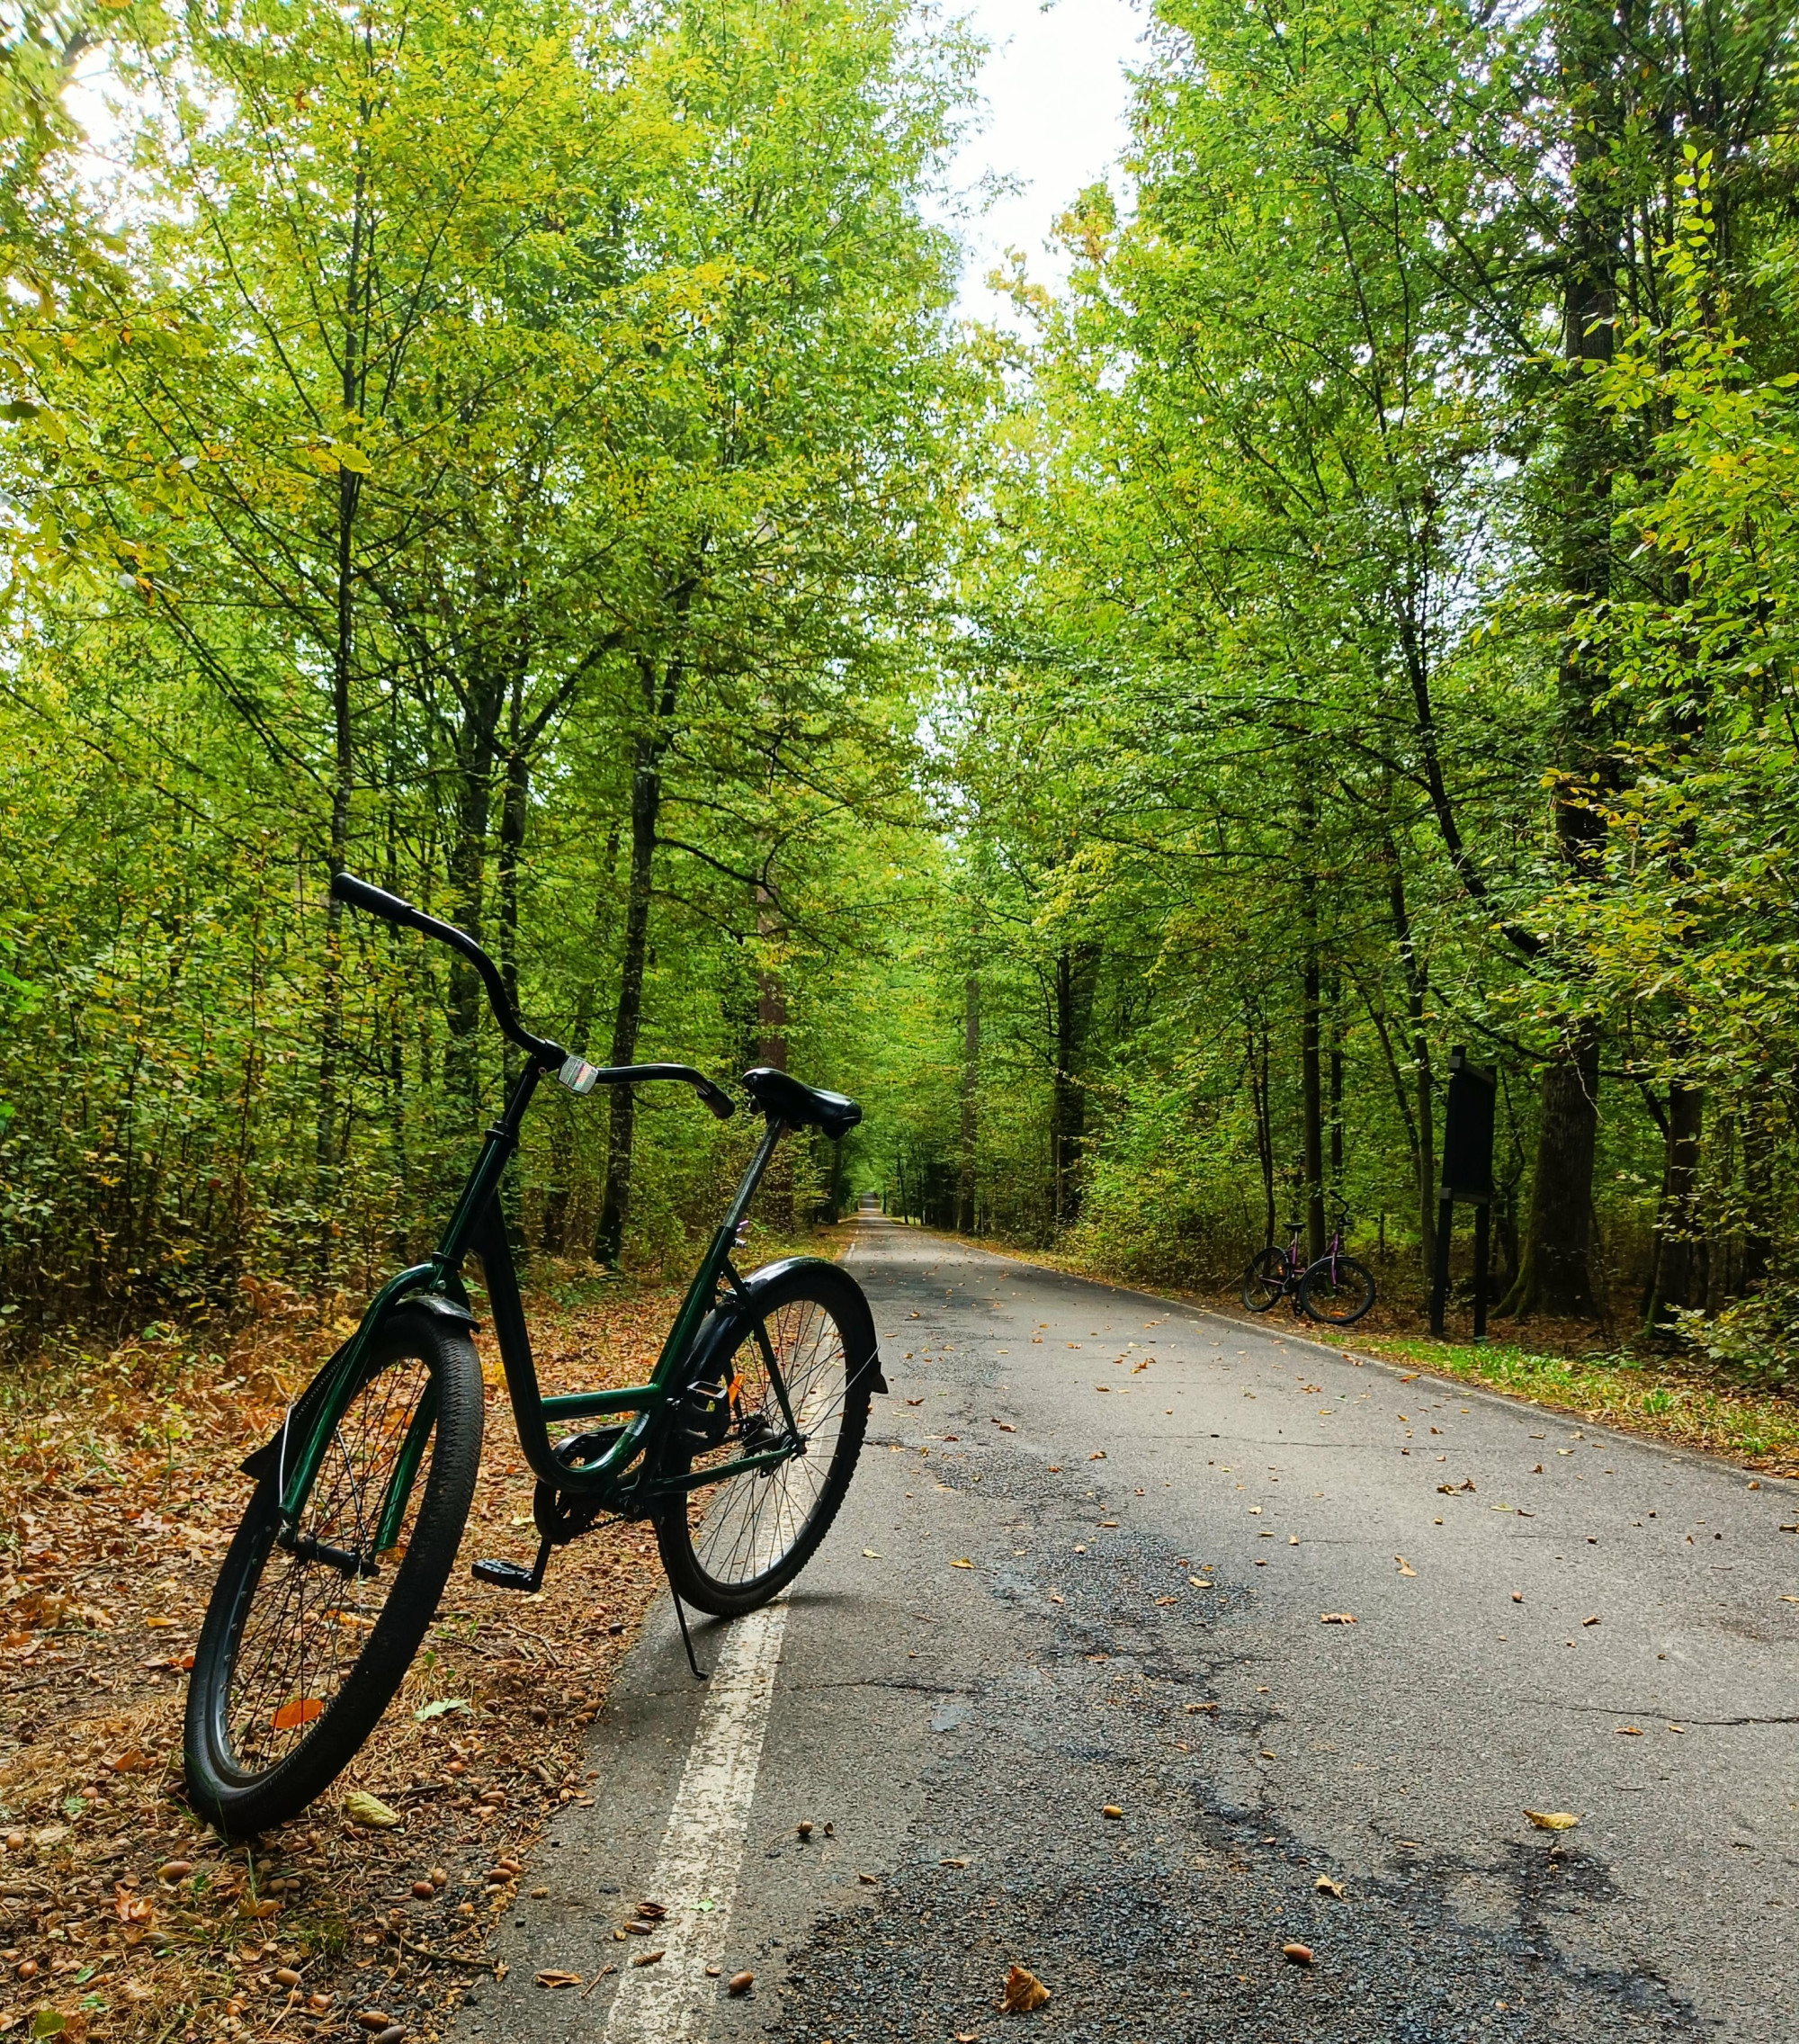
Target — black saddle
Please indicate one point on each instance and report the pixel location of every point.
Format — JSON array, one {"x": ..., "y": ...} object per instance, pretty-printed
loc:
[{"x": 783, "y": 1097}]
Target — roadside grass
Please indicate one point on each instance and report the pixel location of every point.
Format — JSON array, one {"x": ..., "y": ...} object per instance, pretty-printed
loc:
[{"x": 1647, "y": 1395}]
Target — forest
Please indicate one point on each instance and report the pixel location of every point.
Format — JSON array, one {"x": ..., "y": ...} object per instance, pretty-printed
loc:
[{"x": 529, "y": 455}]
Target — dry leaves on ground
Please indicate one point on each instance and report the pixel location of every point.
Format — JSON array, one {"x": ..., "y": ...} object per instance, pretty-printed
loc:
[{"x": 119, "y": 1914}]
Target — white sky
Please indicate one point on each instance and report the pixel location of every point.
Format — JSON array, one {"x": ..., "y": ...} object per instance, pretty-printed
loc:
[{"x": 1056, "y": 97}]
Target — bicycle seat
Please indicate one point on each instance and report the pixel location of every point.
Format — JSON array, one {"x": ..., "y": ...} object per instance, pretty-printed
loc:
[{"x": 782, "y": 1097}]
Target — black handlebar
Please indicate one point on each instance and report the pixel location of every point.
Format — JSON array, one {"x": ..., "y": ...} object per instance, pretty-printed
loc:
[{"x": 576, "y": 1074}]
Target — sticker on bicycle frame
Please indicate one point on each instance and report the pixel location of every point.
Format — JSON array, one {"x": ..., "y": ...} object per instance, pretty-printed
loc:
[{"x": 578, "y": 1075}]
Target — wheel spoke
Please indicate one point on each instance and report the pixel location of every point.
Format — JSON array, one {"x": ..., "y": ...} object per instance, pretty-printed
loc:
[{"x": 305, "y": 1623}]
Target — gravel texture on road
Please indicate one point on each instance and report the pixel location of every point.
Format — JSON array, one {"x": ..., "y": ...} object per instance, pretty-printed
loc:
[{"x": 1159, "y": 1508}]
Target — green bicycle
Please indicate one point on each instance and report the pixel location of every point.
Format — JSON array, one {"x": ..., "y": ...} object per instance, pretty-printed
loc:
[{"x": 760, "y": 1397}]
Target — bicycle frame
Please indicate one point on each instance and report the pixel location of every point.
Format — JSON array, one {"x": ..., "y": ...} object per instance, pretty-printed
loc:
[{"x": 477, "y": 1224}]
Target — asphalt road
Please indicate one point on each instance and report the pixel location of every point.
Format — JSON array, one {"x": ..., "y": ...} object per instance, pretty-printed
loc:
[{"x": 1160, "y": 1505}]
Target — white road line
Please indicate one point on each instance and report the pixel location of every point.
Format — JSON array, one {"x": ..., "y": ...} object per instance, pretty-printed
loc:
[{"x": 702, "y": 1851}]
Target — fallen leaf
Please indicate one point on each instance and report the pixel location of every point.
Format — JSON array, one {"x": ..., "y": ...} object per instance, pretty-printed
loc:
[
  {"x": 649, "y": 1958},
  {"x": 441, "y": 1708},
  {"x": 297, "y": 1711},
  {"x": 1336, "y": 1617},
  {"x": 1405, "y": 1566},
  {"x": 869, "y": 1554},
  {"x": 1630, "y": 1731},
  {"x": 553, "y": 1978},
  {"x": 1552, "y": 1820},
  {"x": 656, "y": 1911},
  {"x": 1324, "y": 1884},
  {"x": 1098, "y": 1455},
  {"x": 869, "y": 1880},
  {"x": 1592, "y": 1621},
  {"x": 1112, "y": 1811},
  {"x": 952, "y": 1862},
  {"x": 1024, "y": 1992},
  {"x": 963, "y": 1563},
  {"x": 1301, "y": 1955},
  {"x": 361, "y": 1807},
  {"x": 915, "y": 1401}
]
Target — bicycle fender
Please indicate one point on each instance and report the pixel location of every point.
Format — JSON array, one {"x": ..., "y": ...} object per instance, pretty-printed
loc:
[
  {"x": 303, "y": 1414},
  {"x": 853, "y": 1316}
]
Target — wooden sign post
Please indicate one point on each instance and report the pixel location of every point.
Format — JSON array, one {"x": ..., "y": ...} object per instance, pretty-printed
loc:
[{"x": 1467, "y": 1176}]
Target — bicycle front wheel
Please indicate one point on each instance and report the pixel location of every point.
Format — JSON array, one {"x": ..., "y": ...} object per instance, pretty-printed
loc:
[
  {"x": 731, "y": 1546},
  {"x": 1337, "y": 1289},
  {"x": 305, "y": 1641},
  {"x": 1265, "y": 1280}
]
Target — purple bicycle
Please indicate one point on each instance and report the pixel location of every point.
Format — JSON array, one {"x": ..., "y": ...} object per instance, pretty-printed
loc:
[{"x": 1335, "y": 1288}]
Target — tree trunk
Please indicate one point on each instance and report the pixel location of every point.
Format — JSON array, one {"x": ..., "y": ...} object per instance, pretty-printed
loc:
[
  {"x": 1676, "y": 1276},
  {"x": 971, "y": 1076},
  {"x": 1311, "y": 1093},
  {"x": 1334, "y": 994},
  {"x": 1554, "y": 1271},
  {"x": 1077, "y": 966},
  {"x": 325, "y": 1155},
  {"x": 562, "y": 1131},
  {"x": 646, "y": 806},
  {"x": 1265, "y": 1120},
  {"x": 771, "y": 1048}
]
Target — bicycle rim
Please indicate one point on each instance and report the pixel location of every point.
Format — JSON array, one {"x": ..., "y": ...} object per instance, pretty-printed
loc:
[{"x": 747, "y": 1529}]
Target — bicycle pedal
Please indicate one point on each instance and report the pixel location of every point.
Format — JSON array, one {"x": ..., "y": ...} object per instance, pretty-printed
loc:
[{"x": 505, "y": 1576}]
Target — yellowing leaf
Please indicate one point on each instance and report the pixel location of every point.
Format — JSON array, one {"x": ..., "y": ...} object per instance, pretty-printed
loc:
[
  {"x": 361, "y": 1807},
  {"x": 1405, "y": 1566},
  {"x": 963, "y": 1563},
  {"x": 1552, "y": 1820}
]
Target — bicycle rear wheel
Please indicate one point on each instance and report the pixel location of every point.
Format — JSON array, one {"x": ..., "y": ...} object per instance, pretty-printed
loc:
[
  {"x": 732, "y": 1547},
  {"x": 1337, "y": 1289},
  {"x": 1266, "y": 1279},
  {"x": 305, "y": 1644}
]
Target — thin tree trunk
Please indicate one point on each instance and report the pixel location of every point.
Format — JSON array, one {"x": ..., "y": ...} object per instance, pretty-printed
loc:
[
  {"x": 562, "y": 1130},
  {"x": 646, "y": 807},
  {"x": 1311, "y": 1099},
  {"x": 771, "y": 1048},
  {"x": 970, "y": 1078},
  {"x": 343, "y": 754},
  {"x": 1675, "y": 1277},
  {"x": 1076, "y": 966},
  {"x": 1265, "y": 1121}
]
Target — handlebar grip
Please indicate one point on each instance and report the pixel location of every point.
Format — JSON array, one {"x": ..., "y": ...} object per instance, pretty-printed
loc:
[
  {"x": 376, "y": 902},
  {"x": 716, "y": 1099}
]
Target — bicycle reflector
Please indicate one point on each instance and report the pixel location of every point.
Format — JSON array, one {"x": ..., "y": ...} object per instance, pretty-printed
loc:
[{"x": 578, "y": 1075}]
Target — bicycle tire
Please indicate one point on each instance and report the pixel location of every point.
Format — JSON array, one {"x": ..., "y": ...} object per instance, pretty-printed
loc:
[
  {"x": 1264, "y": 1279},
  {"x": 1337, "y": 1290},
  {"x": 729, "y": 1547},
  {"x": 275, "y": 1625}
]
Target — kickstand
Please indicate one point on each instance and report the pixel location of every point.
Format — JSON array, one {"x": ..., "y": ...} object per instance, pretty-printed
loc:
[{"x": 686, "y": 1637}]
